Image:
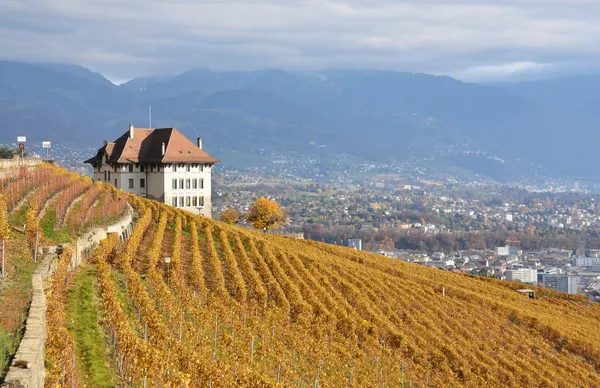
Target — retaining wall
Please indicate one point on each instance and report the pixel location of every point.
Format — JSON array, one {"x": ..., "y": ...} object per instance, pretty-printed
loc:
[{"x": 27, "y": 369}]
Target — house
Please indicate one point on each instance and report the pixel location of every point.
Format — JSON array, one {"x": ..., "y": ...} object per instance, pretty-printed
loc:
[{"x": 160, "y": 164}]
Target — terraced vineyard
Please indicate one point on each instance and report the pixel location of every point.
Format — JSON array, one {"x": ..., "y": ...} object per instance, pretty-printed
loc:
[
  {"x": 238, "y": 307},
  {"x": 54, "y": 205}
]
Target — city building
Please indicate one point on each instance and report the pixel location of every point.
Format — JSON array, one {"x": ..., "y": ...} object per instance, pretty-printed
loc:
[
  {"x": 523, "y": 275},
  {"x": 561, "y": 282},
  {"x": 582, "y": 261},
  {"x": 160, "y": 164},
  {"x": 502, "y": 251},
  {"x": 355, "y": 243}
]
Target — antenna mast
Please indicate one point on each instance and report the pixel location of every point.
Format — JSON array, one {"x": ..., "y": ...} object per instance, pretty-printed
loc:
[{"x": 150, "y": 116}]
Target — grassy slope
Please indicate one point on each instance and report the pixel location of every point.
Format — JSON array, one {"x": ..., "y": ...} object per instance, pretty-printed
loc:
[
  {"x": 15, "y": 296},
  {"x": 84, "y": 313}
]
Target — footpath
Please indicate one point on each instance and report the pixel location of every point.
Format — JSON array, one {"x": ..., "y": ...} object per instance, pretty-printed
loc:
[{"x": 27, "y": 368}]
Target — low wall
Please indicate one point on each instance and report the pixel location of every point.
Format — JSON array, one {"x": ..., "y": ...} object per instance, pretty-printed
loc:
[
  {"x": 27, "y": 369},
  {"x": 18, "y": 162}
]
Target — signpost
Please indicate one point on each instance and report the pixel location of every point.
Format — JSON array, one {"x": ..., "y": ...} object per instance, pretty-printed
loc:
[
  {"x": 47, "y": 145},
  {"x": 168, "y": 261},
  {"x": 22, "y": 140}
]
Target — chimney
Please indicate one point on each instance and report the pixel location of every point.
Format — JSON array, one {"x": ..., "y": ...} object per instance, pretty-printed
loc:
[
  {"x": 199, "y": 140},
  {"x": 105, "y": 142},
  {"x": 131, "y": 131},
  {"x": 163, "y": 149}
]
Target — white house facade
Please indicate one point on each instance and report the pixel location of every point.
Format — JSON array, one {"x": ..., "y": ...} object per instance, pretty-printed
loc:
[{"x": 160, "y": 164}]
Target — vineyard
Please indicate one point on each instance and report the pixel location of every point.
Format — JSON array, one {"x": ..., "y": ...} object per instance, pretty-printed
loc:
[
  {"x": 238, "y": 307},
  {"x": 39, "y": 206}
]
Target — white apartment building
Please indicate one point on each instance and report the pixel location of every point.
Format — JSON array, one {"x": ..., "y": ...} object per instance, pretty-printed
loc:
[
  {"x": 582, "y": 261},
  {"x": 561, "y": 282},
  {"x": 160, "y": 164},
  {"x": 523, "y": 275}
]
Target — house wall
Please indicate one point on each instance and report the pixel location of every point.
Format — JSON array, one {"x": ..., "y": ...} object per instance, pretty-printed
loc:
[
  {"x": 178, "y": 173},
  {"x": 159, "y": 184}
]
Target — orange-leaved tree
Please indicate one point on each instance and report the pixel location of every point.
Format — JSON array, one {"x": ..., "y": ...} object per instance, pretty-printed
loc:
[
  {"x": 231, "y": 216},
  {"x": 265, "y": 213}
]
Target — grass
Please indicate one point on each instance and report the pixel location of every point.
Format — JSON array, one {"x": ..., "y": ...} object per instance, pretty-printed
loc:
[
  {"x": 18, "y": 218},
  {"x": 9, "y": 342},
  {"x": 51, "y": 233},
  {"x": 84, "y": 310}
]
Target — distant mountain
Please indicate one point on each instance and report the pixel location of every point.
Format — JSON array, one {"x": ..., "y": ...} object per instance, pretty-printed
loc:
[{"x": 377, "y": 115}]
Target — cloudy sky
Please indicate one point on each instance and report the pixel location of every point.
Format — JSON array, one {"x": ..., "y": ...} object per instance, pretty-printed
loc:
[{"x": 474, "y": 40}]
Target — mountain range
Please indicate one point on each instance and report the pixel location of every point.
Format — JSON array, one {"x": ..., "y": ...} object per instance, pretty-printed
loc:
[{"x": 377, "y": 115}]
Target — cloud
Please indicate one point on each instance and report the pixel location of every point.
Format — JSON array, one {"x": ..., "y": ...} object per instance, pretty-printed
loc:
[
  {"x": 478, "y": 40},
  {"x": 504, "y": 71}
]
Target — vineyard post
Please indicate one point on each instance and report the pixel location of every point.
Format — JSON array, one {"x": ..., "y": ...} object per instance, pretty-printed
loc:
[
  {"x": 73, "y": 371},
  {"x": 252, "y": 350},
  {"x": 427, "y": 380},
  {"x": 402, "y": 375},
  {"x": 215, "y": 338},
  {"x": 3, "y": 246}
]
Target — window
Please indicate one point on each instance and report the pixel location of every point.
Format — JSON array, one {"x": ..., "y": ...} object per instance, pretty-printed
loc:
[
  {"x": 142, "y": 183},
  {"x": 201, "y": 183},
  {"x": 174, "y": 184},
  {"x": 131, "y": 168},
  {"x": 181, "y": 184},
  {"x": 194, "y": 201},
  {"x": 131, "y": 183},
  {"x": 174, "y": 168},
  {"x": 201, "y": 201},
  {"x": 105, "y": 175},
  {"x": 115, "y": 168},
  {"x": 174, "y": 201},
  {"x": 151, "y": 168},
  {"x": 187, "y": 167},
  {"x": 188, "y": 201},
  {"x": 187, "y": 184},
  {"x": 142, "y": 168},
  {"x": 194, "y": 184},
  {"x": 181, "y": 199},
  {"x": 116, "y": 183},
  {"x": 109, "y": 176},
  {"x": 158, "y": 168},
  {"x": 201, "y": 167}
]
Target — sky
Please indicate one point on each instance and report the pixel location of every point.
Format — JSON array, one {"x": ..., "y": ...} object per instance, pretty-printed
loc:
[{"x": 472, "y": 40}]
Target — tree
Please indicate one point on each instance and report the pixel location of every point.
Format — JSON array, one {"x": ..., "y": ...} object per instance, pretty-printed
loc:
[
  {"x": 231, "y": 216},
  {"x": 7, "y": 152},
  {"x": 265, "y": 213}
]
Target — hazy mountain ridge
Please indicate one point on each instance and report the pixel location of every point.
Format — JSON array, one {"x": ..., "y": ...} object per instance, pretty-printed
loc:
[{"x": 378, "y": 115}]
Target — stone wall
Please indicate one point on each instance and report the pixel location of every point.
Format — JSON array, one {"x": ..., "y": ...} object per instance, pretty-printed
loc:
[
  {"x": 27, "y": 369},
  {"x": 18, "y": 162}
]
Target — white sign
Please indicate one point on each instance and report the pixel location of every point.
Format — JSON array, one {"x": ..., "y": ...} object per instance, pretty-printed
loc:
[
  {"x": 167, "y": 260},
  {"x": 46, "y": 144},
  {"x": 21, "y": 139}
]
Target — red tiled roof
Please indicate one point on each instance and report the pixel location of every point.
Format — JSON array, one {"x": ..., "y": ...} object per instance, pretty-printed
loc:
[{"x": 146, "y": 147}]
